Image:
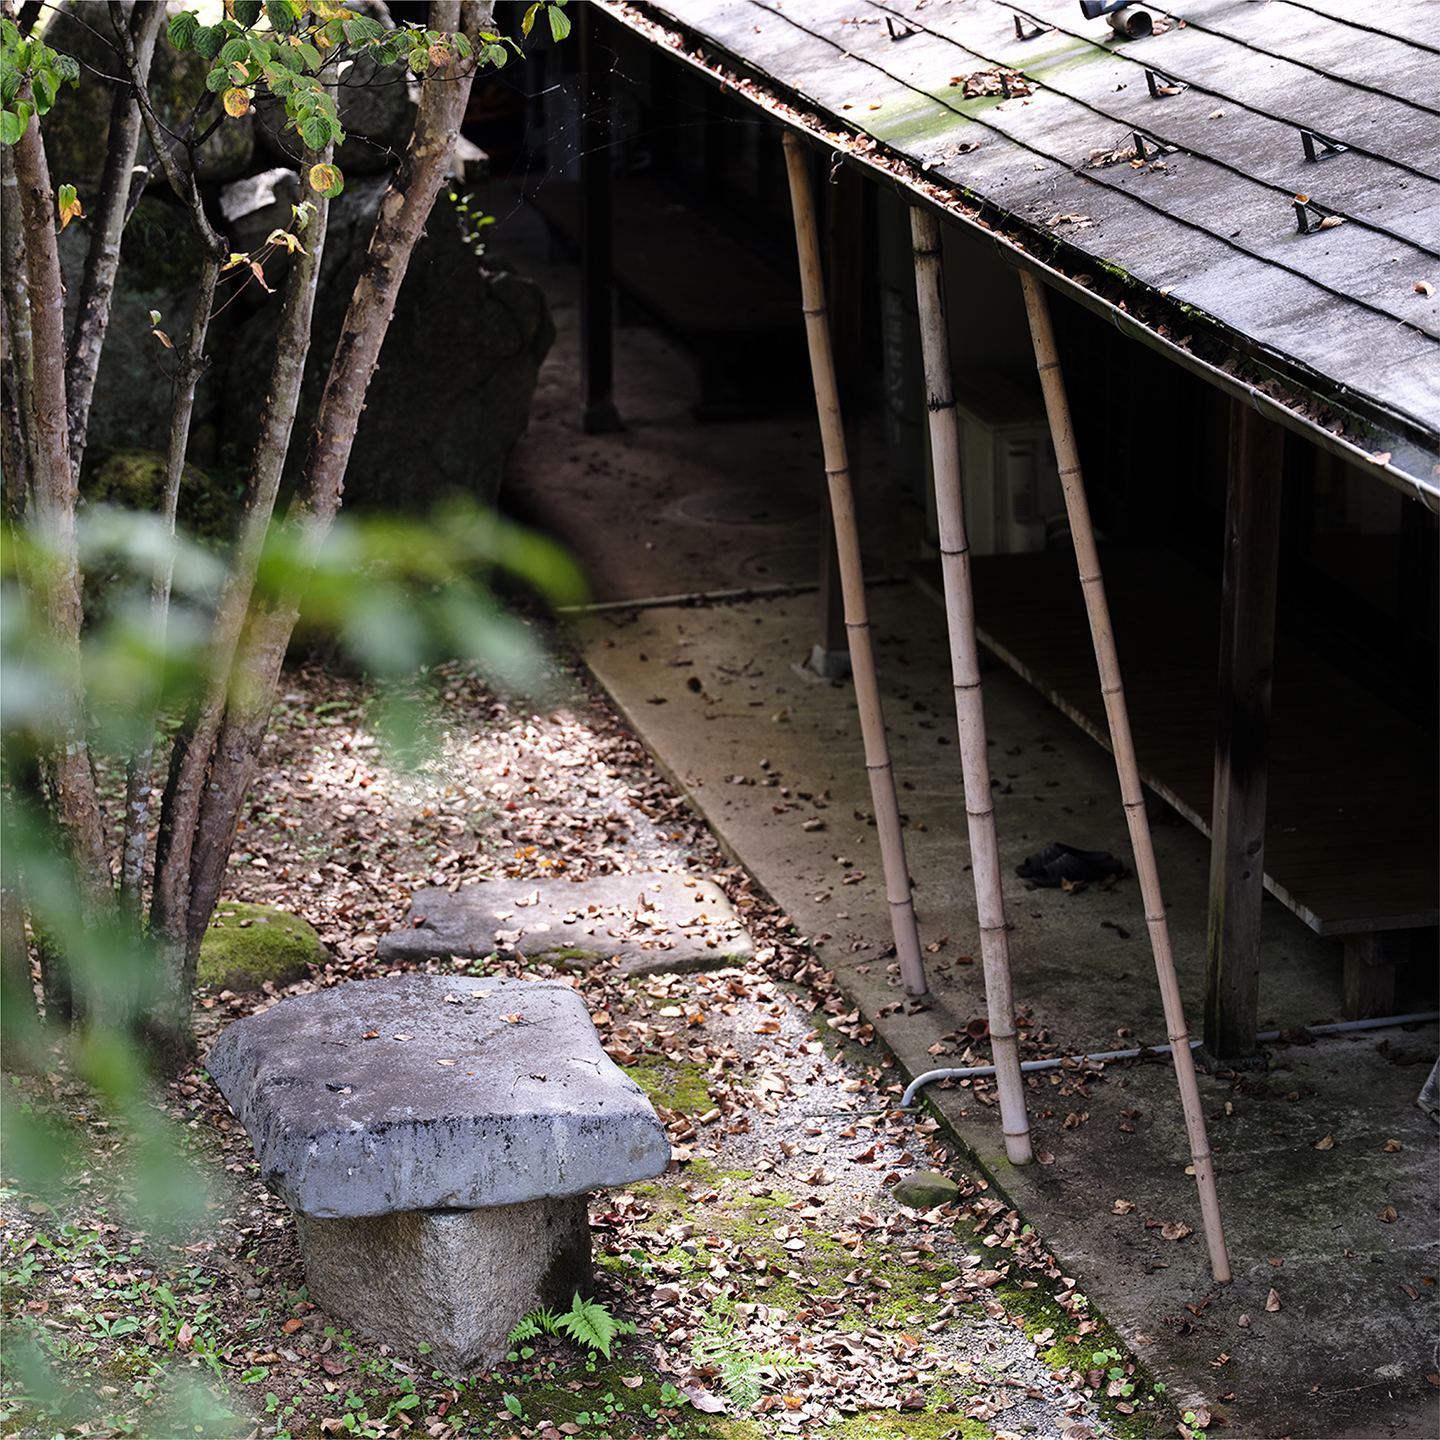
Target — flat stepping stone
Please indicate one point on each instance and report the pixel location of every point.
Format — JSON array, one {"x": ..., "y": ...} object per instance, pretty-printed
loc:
[
  {"x": 429, "y": 1092},
  {"x": 657, "y": 922}
]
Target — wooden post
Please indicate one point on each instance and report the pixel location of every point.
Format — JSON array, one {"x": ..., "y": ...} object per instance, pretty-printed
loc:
[
  {"x": 598, "y": 414},
  {"x": 965, "y": 670},
  {"x": 1122, "y": 745},
  {"x": 1242, "y": 741},
  {"x": 847, "y": 541}
]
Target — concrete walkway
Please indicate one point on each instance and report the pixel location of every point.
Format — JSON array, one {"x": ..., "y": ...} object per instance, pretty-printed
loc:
[{"x": 1327, "y": 1170}]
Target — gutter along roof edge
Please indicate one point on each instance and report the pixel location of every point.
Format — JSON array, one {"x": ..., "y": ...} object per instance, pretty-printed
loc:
[{"x": 1404, "y": 459}]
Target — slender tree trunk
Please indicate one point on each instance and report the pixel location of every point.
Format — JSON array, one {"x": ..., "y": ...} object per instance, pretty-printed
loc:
[
  {"x": 195, "y": 751},
  {"x": 404, "y": 209},
  {"x": 107, "y": 222},
  {"x": 53, "y": 578},
  {"x": 17, "y": 351}
]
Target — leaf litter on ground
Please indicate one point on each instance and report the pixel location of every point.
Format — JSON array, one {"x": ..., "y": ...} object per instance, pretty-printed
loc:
[{"x": 770, "y": 1273}]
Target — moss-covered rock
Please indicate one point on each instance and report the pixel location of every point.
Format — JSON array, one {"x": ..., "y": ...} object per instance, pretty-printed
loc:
[
  {"x": 246, "y": 945},
  {"x": 134, "y": 480},
  {"x": 926, "y": 1189}
]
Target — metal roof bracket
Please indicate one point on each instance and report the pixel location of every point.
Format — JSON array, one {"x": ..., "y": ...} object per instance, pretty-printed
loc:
[
  {"x": 903, "y": 32},
  {"x": 1307, "y": 210},
  {"x": 1021, "y": 33},
  {"x": 1309, "y": 139},
  {"x": 1162, "y": 85}
]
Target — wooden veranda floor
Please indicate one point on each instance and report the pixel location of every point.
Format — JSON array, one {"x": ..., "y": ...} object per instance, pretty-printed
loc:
[{"x": 1353, "y": 828}]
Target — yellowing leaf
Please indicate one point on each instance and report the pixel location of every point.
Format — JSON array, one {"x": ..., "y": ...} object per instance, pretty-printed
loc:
[
  {"x": 69, "y": 205},
  {"x": 326, "y": 179},
  {"x": 285, "y": 238},
  {"x": 237, "y": 102}
]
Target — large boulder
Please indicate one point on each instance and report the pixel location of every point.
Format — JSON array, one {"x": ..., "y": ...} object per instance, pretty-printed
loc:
[
  {"x": 159, "y": 269},
  {"x": 78, "y": 126},
  {"x": 456, "y": 374}
]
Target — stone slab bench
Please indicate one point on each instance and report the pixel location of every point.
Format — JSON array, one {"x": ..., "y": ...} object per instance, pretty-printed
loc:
[
  {"x": 437, "y": 1137},
  {"x": 649, "y": 922}
]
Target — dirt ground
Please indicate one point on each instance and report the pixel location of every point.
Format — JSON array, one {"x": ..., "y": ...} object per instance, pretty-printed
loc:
[{"x": 774, "y": 1284}]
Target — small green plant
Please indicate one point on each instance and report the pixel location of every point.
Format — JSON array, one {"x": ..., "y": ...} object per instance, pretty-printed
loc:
[
  {"x": 587, "y": 1322},
  {"x": 744, "y": 1371}
]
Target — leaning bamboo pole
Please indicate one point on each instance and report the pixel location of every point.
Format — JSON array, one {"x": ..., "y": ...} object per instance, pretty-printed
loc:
[
  {"x": 1087, "y": 558},
  {"x": 965, "y": 672},
  {"x": 852, "y": 581}
]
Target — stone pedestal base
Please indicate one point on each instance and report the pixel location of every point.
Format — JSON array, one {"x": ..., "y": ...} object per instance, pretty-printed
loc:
[{"x": 458, "y": 1280}]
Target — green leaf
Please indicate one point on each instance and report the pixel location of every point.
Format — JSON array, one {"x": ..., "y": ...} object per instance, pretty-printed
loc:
[
  {"x": 528, "y": 23},
  {"x": 208, "y": 40},
  {"x": 183, "y": 29},
  {"x": 461, "y": 43},
  {"x": 512, "y": 1404},
  {"x": 559, "y": 23},
  {"x": 67, "y": 67},
  {"x": 216, "y": 81},
  {"x": 13, "y": 123},
  {"x": 9, "y": 83},
  {"x": 43, "y": 84},
  {"x": 315, "y": 132},
  {"x": 283, "y": 15},
  {"x": 235, "y": 50},
  {"x": 360, "y": 28},
  {"x": 247, "y": 12}
]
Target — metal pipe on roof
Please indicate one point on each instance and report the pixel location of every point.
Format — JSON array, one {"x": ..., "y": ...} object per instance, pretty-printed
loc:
[
  {"x": 852, "y": 578},
  {"x": 965, "y": 670}
]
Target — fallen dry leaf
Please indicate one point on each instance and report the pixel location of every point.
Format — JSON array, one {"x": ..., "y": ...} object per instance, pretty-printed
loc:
[
  {"x": 1425, "y": 288},
  {"x": 1272, "y": 1301},
  {"x": 1175, "y": 1230},
  {"x": 1122, "y": 1207},
  {"x": 1389, "y": 1214},
  {"x": 403, "y": 1037},
  {"x": 1392, "y": 1147},
  {"x": 1325, "y": 1142}
]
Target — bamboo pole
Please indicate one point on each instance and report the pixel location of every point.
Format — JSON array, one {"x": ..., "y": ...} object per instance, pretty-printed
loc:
[
  {"x": 852, "y": 581},
  {"x": 1087, "y": 558},
  {"x": 965, "y": 672}
]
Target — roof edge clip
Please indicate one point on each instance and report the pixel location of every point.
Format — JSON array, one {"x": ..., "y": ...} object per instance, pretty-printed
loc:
[
  {"x": 1306, "y": 211},
  {"x": 1161, "y": 85},
  {"x": 1021, "y": 33},
  {"x": 1310, "y": 138}
]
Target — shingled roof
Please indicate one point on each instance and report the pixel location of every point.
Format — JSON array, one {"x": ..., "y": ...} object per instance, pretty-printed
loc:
[{"x": 1253, "y": 188}]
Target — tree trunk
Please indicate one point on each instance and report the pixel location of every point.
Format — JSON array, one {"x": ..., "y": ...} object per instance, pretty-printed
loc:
[
  {"x": 107, "y": 222},
  {"x": 17, "y": 353},
  {"x": 212, "y": 768},
  {"x": 53, "y": 576},
  {"x": 401, "y": 222}
]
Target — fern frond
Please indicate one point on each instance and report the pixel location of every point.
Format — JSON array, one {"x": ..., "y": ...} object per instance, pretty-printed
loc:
[
  {"x": 537, "y": 1322},
  {"x": 592, "y": 1325}
]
